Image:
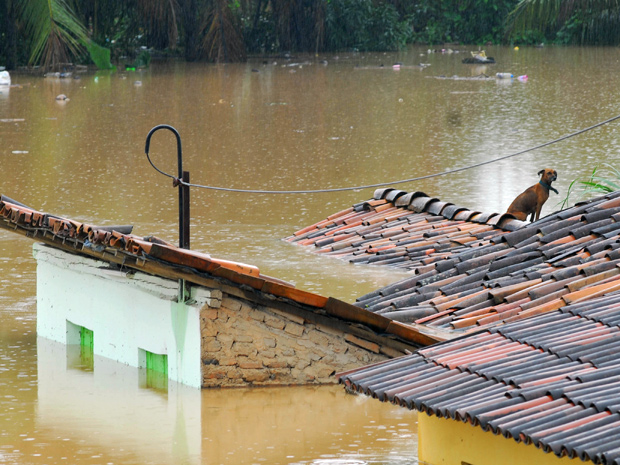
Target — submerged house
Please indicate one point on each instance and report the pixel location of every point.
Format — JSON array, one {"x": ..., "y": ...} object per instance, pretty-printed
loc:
[
  {"x": 199, "y": 320},
  {"x": 530, "y": 374}
]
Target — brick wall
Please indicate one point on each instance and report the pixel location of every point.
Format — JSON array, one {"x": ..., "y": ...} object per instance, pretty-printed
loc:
[{"x": 247, "y": 344}]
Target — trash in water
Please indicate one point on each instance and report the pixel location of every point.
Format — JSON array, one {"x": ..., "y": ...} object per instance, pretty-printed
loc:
[
  {"x": 5, "y": 78},
  {"x": 504, "y": 76}
]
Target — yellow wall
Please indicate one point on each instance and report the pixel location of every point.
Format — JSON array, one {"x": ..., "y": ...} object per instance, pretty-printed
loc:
[{"x": 451, "y": 442}]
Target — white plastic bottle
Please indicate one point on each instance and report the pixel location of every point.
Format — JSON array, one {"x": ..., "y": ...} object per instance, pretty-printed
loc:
[{"x": 504, "y": 76}]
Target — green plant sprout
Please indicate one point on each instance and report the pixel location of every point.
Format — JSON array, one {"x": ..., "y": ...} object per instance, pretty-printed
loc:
[{"x": 603, "y": 180}]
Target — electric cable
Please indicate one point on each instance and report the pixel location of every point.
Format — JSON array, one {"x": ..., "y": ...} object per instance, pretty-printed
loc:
[{"x": 178, "y": 181}]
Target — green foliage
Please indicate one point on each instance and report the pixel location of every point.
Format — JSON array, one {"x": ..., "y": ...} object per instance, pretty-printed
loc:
[
  {"x": 463, "y": 21},
  {"x": 52, "y": 32},
  {"x": 568, "y": 22},
  {"x": 602, "y": 180},
  {"x": 364, "y": 25},
  {"x": 55, "y": 32},
  {"x": 100, "y": 55}
]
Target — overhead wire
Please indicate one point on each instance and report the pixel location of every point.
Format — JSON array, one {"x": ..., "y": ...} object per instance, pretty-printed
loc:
[{"x": 178, "y": 181}]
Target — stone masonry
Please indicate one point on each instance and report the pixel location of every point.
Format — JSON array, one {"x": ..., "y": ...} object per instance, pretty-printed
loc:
[{"x": 250, "y": 344}]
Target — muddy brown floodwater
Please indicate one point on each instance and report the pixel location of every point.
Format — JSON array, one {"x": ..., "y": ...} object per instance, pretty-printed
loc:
[{"x": 278, "y": 125}]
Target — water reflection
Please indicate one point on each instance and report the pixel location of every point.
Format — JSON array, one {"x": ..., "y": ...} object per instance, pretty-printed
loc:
[{"x": 106, "y": 415}]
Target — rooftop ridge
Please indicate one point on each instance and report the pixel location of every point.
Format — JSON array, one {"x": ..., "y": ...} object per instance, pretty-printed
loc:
[
  {"x": 401, "y": 229},
  {"x": 117, "y": 245}
]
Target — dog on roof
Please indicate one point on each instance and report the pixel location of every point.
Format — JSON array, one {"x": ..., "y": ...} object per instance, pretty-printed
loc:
[{"x": 530, "y": 201}]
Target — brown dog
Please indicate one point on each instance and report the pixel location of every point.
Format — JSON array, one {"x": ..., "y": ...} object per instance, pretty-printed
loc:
[{"x": 532, "y": 199}]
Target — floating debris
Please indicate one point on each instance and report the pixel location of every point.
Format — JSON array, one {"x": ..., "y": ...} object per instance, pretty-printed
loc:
[
  {"x": 479, "y": 58},
  {"x": 479, "y": 77}
]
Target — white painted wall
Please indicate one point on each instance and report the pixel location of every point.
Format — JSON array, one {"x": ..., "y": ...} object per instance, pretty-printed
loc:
[{"x": 126, "y": 311}]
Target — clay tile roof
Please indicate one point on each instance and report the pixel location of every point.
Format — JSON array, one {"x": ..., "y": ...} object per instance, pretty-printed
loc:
[
  {"x": 474, "y": 272},
  {"x": 403, "y": 230},
  {"x": 117, "y": 244},
  {"x": 551, "y": 380}
]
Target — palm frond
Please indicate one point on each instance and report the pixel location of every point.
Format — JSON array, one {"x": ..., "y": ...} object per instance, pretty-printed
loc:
[
  {"x": 57, "y": 35},
  {"x": 222, "y": 40},
  {"x": 541, "y": 15}
]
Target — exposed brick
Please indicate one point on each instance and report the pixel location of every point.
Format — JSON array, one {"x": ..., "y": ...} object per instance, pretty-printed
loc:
[
  {"x": 274, "y": 322},
  {"x": 245, "y": 345},
  {"x": 209, "y": 329},
  {"x": 210, "y": 344},
  {"x": 255, "y": 376},
  {"x": 245, "y": 310},
  {"x": 210, "y": 314},
  {"x": 243, "y": 348},
  {"x": 275, "y": 363},
  {"x": 281, "y": 376},
  {"x": 215, "y": 374},
  {"x": 319, "y": 370},
  {"x": 318, "y": 338},
  {"x": 301, "y": 364},
  {"x": 231, "y": 304},
  {"x": 226, "y": 340},
  {"x": 250, "y": 364},
  {"x": 294, "y": 329},
  {"x": 257, "y": 315},
  {"x": 267, "y": 353}
]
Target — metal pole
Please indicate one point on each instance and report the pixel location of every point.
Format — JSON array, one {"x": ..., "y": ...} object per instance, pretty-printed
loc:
[
  {"x": 184, "y": 218},
  {"x": 185, "y": 190}
]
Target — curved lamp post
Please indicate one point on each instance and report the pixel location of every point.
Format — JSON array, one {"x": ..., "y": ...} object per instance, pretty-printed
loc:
[{"x": 180, "y": 181}]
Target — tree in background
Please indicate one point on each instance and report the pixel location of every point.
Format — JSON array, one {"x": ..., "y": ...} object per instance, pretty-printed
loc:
[
  {"x": 594, "y": 22},
  {"x": 53, "y": 32}
]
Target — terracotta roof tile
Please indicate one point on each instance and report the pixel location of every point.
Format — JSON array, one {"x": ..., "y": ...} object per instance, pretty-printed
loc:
[
  {"x": 563, "y": 258},
  {"x": 117, "y": 244},
  {"x": 550, "y": 380}
]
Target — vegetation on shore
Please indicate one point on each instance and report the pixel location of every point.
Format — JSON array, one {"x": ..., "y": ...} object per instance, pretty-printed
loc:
[{"x": 50, "y": 33}]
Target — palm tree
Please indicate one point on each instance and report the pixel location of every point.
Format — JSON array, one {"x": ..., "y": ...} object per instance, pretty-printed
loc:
[
  {"x": 597, "y": 21},
  {"x": 222, "y": 37},
  {"x": 56, "y": 34}
]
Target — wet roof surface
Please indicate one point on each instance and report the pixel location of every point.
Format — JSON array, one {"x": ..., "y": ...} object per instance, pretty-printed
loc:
[
  {"x": 402, "y": 230},
  {"x": 468, "y": 276},
  {"x": 117, "y": 245},
  {"x": 551, "y": 380}
]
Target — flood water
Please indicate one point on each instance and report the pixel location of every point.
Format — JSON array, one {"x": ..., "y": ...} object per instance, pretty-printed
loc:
[{"x": 276, "y": 125}]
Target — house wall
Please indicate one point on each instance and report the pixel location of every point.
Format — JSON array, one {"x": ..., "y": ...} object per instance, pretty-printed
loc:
[
  {"x": 215, "y": 340},
  {"x": 129, "y": 313},
  {"x": 245, "y": 343},
  {"x": 449, "y": 442}
]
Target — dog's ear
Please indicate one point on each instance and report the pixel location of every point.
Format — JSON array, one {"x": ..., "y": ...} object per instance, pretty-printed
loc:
[{"x": 541, "y": 172}]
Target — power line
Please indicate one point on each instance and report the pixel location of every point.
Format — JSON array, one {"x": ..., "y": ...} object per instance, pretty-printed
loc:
[{"x": 418, "y": 178}]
